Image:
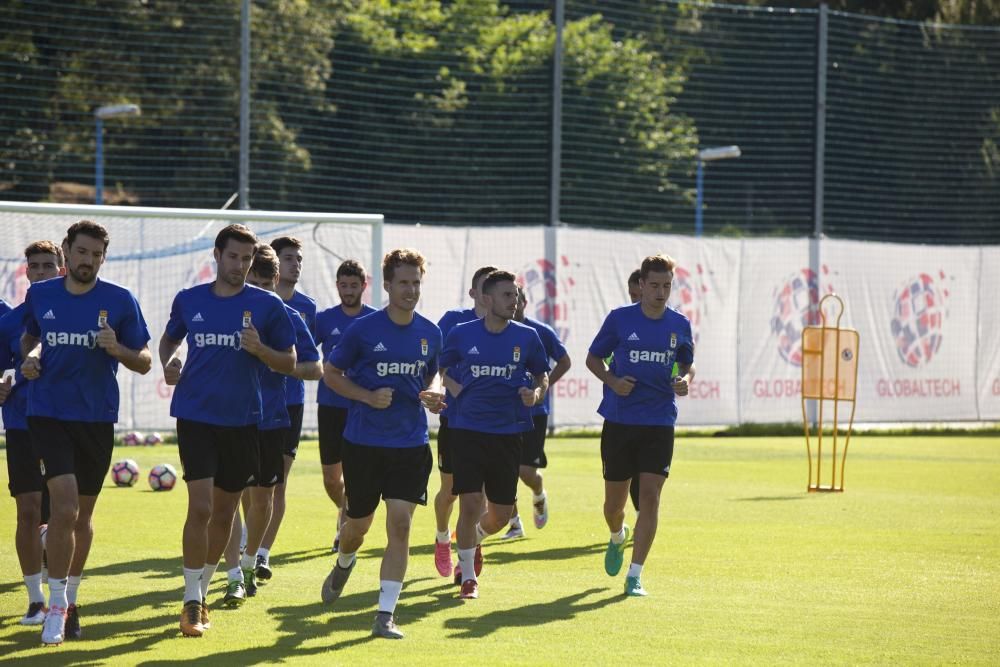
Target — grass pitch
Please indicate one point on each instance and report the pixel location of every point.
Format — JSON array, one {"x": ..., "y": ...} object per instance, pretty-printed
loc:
[{"x": 902, "y": 568}]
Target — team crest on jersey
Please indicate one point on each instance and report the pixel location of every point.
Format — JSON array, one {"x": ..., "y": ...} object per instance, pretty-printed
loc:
[
  {"x": 517, "y": 353},
  {"x": 673, "y": 341},
  {"x": 246, "y": 318},
  {"x": 102, "y": 318},
  {"x": 423, "y": 347}
]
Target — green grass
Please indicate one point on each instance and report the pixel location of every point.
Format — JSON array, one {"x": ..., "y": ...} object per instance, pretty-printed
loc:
[{"x": 902, "y": 568}]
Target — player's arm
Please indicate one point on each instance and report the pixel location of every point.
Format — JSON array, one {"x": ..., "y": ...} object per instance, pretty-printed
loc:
[
  {"x": 169, "y": 360},
  {"x": 31, "y": 353},
  {"x": 620, "y": 385},
  {"x": 336, "y": 380},
  {"x": 450, "y": 383},
  {"x": 559, "y": 369},
  {"x": 280, "y": 361},
  {"x": 308, "y": 370},
  {"x": 682, "y": 381},
  {"x": 138, "y": 361}
]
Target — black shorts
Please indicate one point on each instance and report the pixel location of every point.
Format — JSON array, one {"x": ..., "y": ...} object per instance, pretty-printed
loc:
[
  {"x": 533, "y": 443},
  {"x": 444, "y": 447},
  {"x": 229, "y": 455},
  {"x": 393, "y": 473},
  {"x": 628, "y": 449},
  {"x": 24, "y": 470},
  {"x": 332, "y": 422},
  {"x": 293, "y": 432},
  {"x": 74, "y": 448},
  {"x": 271, "y": 444},
  {"x": 486, "y": 459}
]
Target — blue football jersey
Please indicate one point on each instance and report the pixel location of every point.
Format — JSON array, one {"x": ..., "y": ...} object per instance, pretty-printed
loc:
[
  {"x": 15, "y": 408},
  {"x": 555, "y": 350},
  {"x": 220, "y": 381},
  {"x": 79, "y": 379},
  {"x": 492, "y": 367},
  {"x": 274, "y": 386},
  {"x": 380, "y": 353},
  {"x": 330, "y": 326},
  {"x": 449, "y": 321},
  {"x": 646, "y": 349},
  {"x": 305, "y": 307}
]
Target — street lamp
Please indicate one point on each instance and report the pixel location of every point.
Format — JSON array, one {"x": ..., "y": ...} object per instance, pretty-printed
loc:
[
  {"x": 100, "y": 115},
  {"x": 708, "y": 155}
]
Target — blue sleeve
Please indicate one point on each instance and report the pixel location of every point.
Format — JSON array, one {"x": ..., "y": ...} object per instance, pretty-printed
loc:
[
  {"x": 305, "y": 346},
  {"x": 447, "y": 323},
  {"x": 685, "y": 354},
  {"x": 176, "y": 328},
  {"x": 606, "y": 339},
  {"x": 449, "y": 353},
  {"x": 432, "y": 363},
  {"x": 9, "y": 327},
  {"x": 348, "y": 348},
  {"x": 537, "y": 361},
  {"x": 279, "y": 332},
  {"x": 132, "y": 331},
  {"x": 30, "y": 323},
  {"x": 554, "y": 347}
]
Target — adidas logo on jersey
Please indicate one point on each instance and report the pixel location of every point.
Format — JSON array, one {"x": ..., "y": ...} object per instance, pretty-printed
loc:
[
  {"x": 473, "y": 350},
  {"x": 379, "y": 348},
  {"x": 49, "y": 316},
  {"x": 335, "y": 332},
  {"x": 633, "y": 336},
  {"x": 197, "y": 318}
]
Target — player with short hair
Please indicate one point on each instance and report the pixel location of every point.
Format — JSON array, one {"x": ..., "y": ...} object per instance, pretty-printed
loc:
[
  {"x": 331, "y": 410},
  {"x": 272, "y": 436},
  {"x": 533, "y": 442},
  {"x": 640, "y": 408},
  {"x": 233, "y": 330},
  {"x": 384, "y": 363},
  {"x": 497, "y": 370},
  {"x": 289, "y": 252},
  {"x": 445, "y": 499},
  {"x": 77, "y": 330},
  {"x": 44, "y": 261}
]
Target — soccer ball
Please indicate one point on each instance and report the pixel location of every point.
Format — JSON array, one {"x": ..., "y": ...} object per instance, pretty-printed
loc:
[
  {"x": 125, "y": 473},
  {"x": 153, "y": 439},
  {"x": 162, "y": 477},
  {"x": 132, "y": 438}
]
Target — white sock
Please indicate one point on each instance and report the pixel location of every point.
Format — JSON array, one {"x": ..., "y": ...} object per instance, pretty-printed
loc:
[
  {"x": 265, "y": 554},
  {"x": 72, "y": 587},
  {"x": 538, "y": 498},
  {"x": 33, "y": 582},
  {"x": 466, "y": 560},
  {"x": 247, "y": 561},
  {"x": 192, "y": 584},
  {"x": 515, "y": 521},
  {"x": 57, "y": 593},
  {"x": 207, "y": 573},
  {"x": 344, "y": 560},
  {"x": 443, "y": 537},
  {"x": 235, "y": 574},
  {"x": 480, "y": 534},
  {"x": 635, "y": 570},
  {"x": 388, "y": 595},
  {"x": 619, "y": 537}
]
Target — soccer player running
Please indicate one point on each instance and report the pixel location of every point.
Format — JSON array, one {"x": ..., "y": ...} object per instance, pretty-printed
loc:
[
  {"x": 497, "y": 370},
  {"x": 639, "y": 408},
  {"x": 289, "y": 251},
  {"x": 352, "y": 279},
  {"x": 384, "y": 363},
  {"x": 44, "y": 261},
  {"x": 445, "y": 499},
  {"x": 77, "y": 330},
  {"x": 233, "y": 330},
  {"x": 634, "y": 293},
  {"x": 533, "y": 441},
  {"x": 273, "y": 434}
]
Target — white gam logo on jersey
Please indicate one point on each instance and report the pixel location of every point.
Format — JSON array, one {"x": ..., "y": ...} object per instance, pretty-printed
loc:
[
  {"x": 233, "y": 340},
  {"x": 86, "y": 339},
  {"x": 416, "y": 368},
  {"x": 637, "y": 356},
  {"x": 505, "y": 372}
]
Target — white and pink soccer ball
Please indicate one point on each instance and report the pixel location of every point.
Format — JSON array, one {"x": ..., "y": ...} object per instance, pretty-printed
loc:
[
  {"x": 162, "y": 477},
  {"x": 133, "y": 438},
  {"x": 153, "y": 439},
  {"x": 125, "y": 473}
]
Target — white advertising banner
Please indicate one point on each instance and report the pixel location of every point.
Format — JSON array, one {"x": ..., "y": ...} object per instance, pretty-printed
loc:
[{"x": 988, "y": 348}]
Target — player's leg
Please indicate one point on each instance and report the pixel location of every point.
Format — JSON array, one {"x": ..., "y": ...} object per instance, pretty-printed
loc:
[
  {"x": 618, "y": 462},
  {"x": 290, "y": 448},
  {"x": 654, "y": 458},
  {"x": 633, "y": 492},
  {"x": 331, "y": 437},
  {"x": 363, "y": 479},
  {"x": 236, "y": 592},
  {"x": 444, "y": 501},
  {"x": 502, "y": 454},
  {"x": 260, "y": 510},
  {"x": 26, "y": 483}
]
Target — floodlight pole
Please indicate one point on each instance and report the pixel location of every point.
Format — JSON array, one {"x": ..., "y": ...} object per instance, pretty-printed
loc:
[
  {"x": 708, "y": 155},
  {"x": 100, "y": 115}
]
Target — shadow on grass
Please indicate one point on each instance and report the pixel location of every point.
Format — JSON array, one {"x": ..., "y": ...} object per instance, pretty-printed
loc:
[
  {"x": 532, "y": 615},
  {"x": 758, "y": 499}
]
